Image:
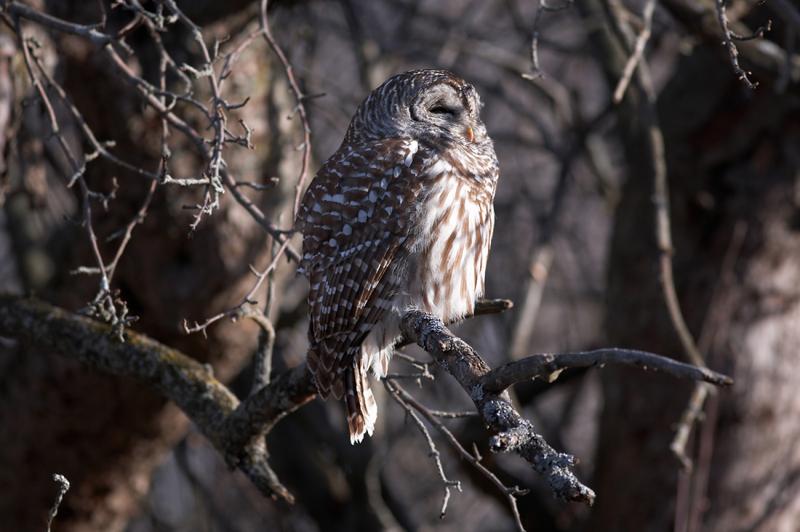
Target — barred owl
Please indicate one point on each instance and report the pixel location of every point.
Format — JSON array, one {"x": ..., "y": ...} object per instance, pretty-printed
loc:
[{"x": 399, "y": 217}]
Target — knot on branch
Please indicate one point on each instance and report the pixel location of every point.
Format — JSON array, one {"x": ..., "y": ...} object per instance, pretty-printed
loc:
[
  {"x": 513, "y": 439},
  {"x": 555, "y": 466},
  {"x": 500, "y": 414},
  {"x": 518, "y": 435},
  {"x": 433, "y": 335}
]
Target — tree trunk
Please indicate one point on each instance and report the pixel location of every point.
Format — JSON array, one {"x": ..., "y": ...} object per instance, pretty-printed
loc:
[{"x": 732, "y": 159}]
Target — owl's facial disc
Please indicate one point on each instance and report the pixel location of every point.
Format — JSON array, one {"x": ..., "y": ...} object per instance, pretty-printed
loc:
[{"x": 446, "y": 108}]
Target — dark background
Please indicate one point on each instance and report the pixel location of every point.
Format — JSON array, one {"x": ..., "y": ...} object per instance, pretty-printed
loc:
[{"x": 575, "y": 226}]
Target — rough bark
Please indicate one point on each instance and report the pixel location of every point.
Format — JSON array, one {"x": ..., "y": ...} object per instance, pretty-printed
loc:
[{"x": 237, "y": 429}]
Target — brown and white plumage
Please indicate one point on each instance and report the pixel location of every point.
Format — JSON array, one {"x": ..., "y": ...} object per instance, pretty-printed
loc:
[{"x": 400, "y": 216}]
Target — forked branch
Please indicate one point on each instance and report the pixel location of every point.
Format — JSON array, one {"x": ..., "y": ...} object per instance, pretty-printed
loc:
[
  {"x": 512, "y": 432},
  {"x": 237, "y": 429}
]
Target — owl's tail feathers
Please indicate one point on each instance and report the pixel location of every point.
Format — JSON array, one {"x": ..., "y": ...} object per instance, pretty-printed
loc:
[
  {"x": 362, "y": 410},
  {"x": 348, "y": 382}
]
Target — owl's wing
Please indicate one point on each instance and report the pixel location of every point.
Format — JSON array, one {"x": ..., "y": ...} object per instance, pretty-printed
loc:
[{"x": 355, "y": 217}]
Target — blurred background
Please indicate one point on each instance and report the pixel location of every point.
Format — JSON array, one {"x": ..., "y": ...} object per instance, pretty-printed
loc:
[{"x": 574, "y": 248}]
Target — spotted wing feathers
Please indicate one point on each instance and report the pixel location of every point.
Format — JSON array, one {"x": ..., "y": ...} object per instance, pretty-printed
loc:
[{"x": 355, "y": 217}]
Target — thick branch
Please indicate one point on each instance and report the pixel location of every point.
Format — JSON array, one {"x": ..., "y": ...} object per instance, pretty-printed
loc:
[
  {"x": 257, "y": 414},
  {"x": 547, "y": 364},
  {"x": 17, "y": 9},
  {"x": 191, "y": 385},
  {"x": 512, "y": 433},
  {"x": 236, "y": 429}
]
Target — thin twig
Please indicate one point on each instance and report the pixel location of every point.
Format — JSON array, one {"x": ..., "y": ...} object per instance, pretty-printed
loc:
[
  {"x": 243, "y": 309},
  {"x": 638, "y": 51},
  {"x": 90, "y": 32},
  {"x": 127, "y": 232},
  {"x": 299, "y": 99},
  {"x": 453, "y": 415},
  {"x": 105, "y": 305},
  {"x": 733, "y": 52},
  {"x": 542, "y": 8},
  {"x": 434, "y": 452},
  {"x": 262, "y": 365},
  {"x": 691, "y": 415},
  {"x": 694, "y": 409},
  {"x": 510, "y": 493},
  {"x": 218, "y": 120},
  {"x": 654, "y": 142},
  {"x": 63, "y": 487}
]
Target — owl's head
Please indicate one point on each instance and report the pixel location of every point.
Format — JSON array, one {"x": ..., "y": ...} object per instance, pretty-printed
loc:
[{"x": 427, "y": 105}]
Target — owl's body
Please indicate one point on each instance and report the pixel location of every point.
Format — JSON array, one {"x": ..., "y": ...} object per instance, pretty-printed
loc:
[{"x": 399, "y": 217}]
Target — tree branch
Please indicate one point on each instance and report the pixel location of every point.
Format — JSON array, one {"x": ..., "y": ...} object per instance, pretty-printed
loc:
[
  {"x": 474, "y": 458},
  {"x": 63, "y": 488},
  {"x": 256, "y": 415},
  {"x": 188, "y": 383},
  {"x": 511, "y": 432},
  {"x": 236, "y": 428},
  {"x": 550, "y": 364},
  {"x": 17, "y": 9}
]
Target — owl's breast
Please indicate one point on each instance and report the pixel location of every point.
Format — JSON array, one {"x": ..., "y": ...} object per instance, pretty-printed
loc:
[{"x": 451, "y": 246}]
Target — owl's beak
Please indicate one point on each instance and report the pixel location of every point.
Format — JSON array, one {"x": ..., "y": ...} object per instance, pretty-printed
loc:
[{"x": 470, "y": 134}]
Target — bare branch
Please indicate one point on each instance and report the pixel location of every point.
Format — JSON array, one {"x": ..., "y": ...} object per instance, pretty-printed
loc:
[
  {"x": 262, "y": 359},
  {"x": 186, "y": 382},
  {"x": 692, "y": 413},
  {"x": 492, "y": 306},
  {"x": 256, "y": 415},
  {"x": 243, "y": 309},
  {"x": 694, "y": 409},
  {"x": 474, "y": 458},
  {"x": 511, "y": 432},
  {"x": 733, "y": 52},
  {"x": 105, "y": 305},
  {"x": 17, "y": 9},
  {"x": 299, "y": 99},
  {"x": 394, "y": 392},
  {"x": 549, "y": 365},
  {"x": 542, "y": 8},
  {"x": 63, "y": 487},
  {"x": 653, "y": 144},
  {"x": 638, "y": 51},
  {"x": 237, "y": 429}
]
